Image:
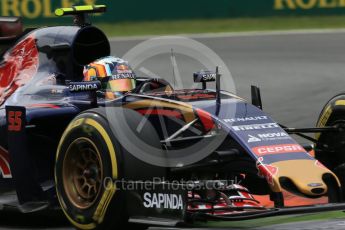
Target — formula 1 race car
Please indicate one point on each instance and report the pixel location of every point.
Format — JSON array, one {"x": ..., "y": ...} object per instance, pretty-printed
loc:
[{"x": 154, "y": 156}]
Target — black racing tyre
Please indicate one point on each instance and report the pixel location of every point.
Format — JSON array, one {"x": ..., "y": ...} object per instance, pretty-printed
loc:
[
  {"x": 88, "y": 161},
  {"x": 91, "y": 156},
  {"x": 330, "y": 146}
]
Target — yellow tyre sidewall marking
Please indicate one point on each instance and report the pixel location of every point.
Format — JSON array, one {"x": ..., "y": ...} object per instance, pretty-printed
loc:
[
  {"x": 340, "y": 102},
  {"x": 324, "y": 118},
  {"x": 326, "y": 114},
  {"x": 110, "y": 188}
]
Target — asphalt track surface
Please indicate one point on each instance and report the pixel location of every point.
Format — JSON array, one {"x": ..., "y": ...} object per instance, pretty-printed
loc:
[{"x": 297, "y": 74}]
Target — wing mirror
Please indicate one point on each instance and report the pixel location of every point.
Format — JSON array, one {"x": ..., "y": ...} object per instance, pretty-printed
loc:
[
  {"x": 204, "y": 77},
  {"x": 256, "y": 96}
]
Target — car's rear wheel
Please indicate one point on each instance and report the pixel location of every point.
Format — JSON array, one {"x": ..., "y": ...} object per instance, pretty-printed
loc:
[{"x": 88, "y": 162}]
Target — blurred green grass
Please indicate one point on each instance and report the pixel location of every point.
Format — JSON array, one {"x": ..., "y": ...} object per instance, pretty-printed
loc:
[
  {"x": 221, "y": 25},
  {"x": 273, "y": 220}
]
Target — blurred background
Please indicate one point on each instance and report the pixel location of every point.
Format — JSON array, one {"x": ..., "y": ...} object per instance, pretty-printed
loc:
[{"x": 137, "y": 17}]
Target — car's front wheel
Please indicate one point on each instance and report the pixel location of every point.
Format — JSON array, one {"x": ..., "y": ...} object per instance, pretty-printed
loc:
[
  {"x": 87, "y": 165},
  {"x": 330, "y": 148}
]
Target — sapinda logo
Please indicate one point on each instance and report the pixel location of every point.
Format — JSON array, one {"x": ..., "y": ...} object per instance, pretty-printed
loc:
[
  {"x": 161, "y": 200},
  {"x": 82, "y": 86},
  {"x": 277, "y": 149},
  {"x": 209, "y": 77}
]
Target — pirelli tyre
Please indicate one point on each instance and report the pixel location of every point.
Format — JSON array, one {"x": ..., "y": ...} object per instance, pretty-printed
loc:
[
  {"x": 89, "y": 159},
  {"x": 330, "y": 146}
]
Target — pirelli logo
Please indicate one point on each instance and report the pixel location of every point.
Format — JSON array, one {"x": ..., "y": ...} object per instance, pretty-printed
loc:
[{"x": 255, "y": 127}]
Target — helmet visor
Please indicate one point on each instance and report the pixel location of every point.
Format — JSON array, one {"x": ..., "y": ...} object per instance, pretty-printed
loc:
[{"x": 121, "y": 85}]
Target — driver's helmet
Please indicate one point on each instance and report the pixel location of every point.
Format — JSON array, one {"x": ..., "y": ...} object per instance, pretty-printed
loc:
[{"x": 116, "y": 76}]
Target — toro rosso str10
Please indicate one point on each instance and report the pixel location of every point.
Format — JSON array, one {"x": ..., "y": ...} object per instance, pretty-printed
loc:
[{"x": 106, "y": 163}]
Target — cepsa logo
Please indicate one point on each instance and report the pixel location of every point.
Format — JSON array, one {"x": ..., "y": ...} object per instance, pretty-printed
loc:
[
  {"x": 307, "y": 4},
  {"x": 37, "y": 8},
  {"x": 277, "y": 149}
]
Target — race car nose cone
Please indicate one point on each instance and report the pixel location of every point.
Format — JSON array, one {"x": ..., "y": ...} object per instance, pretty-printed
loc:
[{"x": 302, "y": 176}]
